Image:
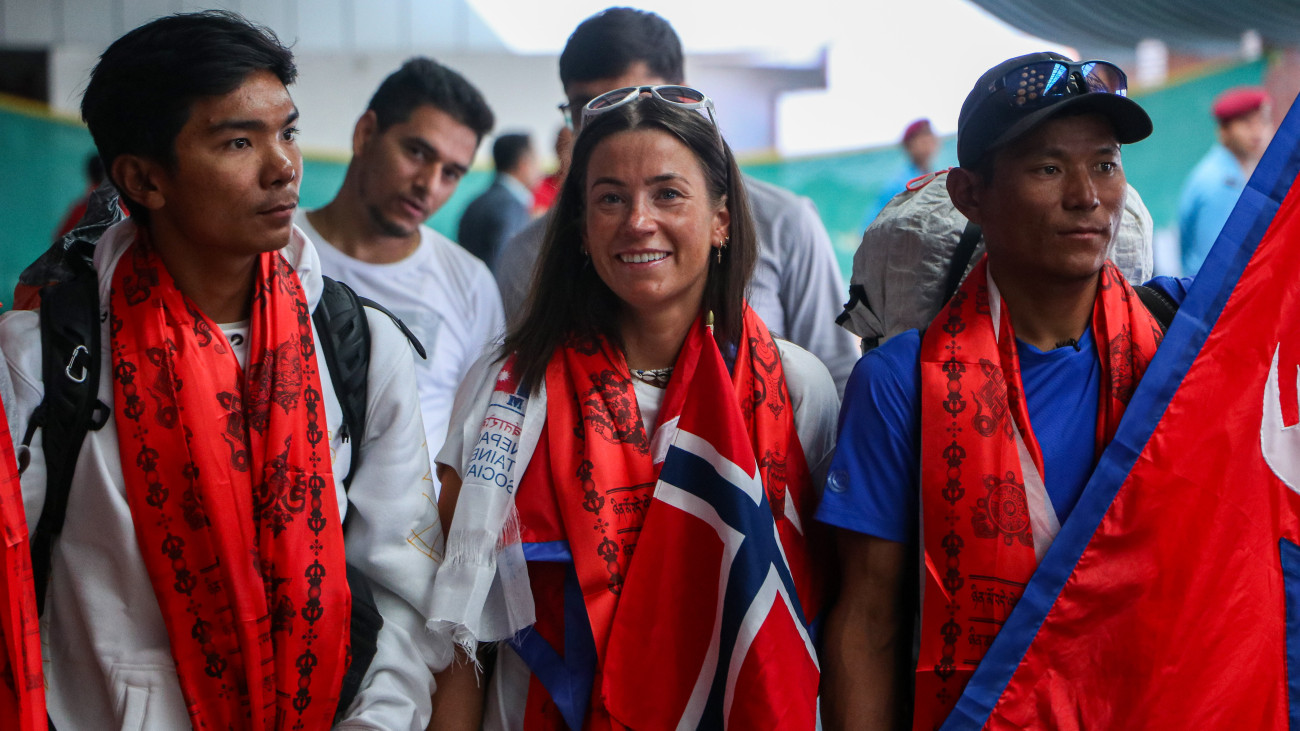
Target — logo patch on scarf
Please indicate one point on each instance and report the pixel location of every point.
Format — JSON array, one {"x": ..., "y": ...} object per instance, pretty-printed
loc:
[
  {"x": 610, "y": 407},
  {"x": 138, "y": 286},
  {"x": 202, "y": 330},
  {"x": 766, "y": 358},
  {"x": 164, "y": 387},
  {"x": 775, "y": 477},
  {"x": 1121, "y": 374},
  {"x": 992, "y": 397},
  {"x": 1004, "y": 511},
  {"x": 275, "y": 378},
  {"x": 284, "y": 491}
]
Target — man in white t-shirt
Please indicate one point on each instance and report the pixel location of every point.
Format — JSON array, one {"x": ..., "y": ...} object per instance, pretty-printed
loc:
[{"x": 410, "y": 150}]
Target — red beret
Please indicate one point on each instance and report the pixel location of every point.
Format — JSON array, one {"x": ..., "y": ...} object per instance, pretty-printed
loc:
[
  {"x": 1236, "y": 102},
  {"x": 920, "y": 126}
]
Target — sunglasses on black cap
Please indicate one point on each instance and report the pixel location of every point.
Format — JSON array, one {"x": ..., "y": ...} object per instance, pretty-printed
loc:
[{"x": 1043, "y": 82}]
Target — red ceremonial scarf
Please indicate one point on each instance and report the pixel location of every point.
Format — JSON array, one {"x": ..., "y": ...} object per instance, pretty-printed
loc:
[
  {"x": 228, "y": 478},
  {"x": 981, "y": 469},
  {"x": 594, "y": 456},
  {"x": 22, "y": 686}
]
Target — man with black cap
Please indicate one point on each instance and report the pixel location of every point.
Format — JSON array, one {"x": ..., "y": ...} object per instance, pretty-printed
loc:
[{"x": 984, "y": 428}]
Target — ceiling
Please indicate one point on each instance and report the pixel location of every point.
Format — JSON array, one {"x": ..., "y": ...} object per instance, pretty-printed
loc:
[{"x": 1187, "y": 25}]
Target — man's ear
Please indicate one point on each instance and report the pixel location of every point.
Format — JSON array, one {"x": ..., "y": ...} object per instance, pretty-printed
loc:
[
  {"x": 367, "y": 127},
  {"x": 140, "y": 179},
  {"x": 965, "y": 188}
]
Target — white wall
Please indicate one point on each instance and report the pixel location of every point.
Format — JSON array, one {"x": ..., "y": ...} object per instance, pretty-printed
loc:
[
  {"x": 333, "y": 89},
  {"x": 324, "y": 25},
  {"x": 523, "y": 91},
  {"x": 346, "y": 47}
]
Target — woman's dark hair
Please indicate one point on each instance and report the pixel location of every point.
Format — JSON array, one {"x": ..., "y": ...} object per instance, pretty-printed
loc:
[
  {"x": 140, "y": 93},
  {"x": 568, "y": 297}
]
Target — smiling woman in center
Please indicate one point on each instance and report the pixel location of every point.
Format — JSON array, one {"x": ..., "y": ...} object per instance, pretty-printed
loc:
[{"x": 661, "y": 439}]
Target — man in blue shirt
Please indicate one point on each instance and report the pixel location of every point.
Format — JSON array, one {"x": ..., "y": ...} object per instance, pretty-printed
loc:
[
  {"x": 1033, "y": 358},
  {"x": 1245, "y": 122}
]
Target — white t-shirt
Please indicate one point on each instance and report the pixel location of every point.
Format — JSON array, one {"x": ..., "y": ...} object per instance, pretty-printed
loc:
[
  {"x": 448, "y": 299},
  {"x": 237, "y": 335}
]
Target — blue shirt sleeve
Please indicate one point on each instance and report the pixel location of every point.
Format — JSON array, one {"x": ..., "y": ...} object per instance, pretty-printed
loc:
[
  {"x": 1173, "y": 287},
  {"x": 872, "y": 484}
]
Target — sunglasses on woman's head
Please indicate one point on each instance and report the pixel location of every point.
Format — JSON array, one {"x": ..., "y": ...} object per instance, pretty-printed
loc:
[{"x": 681, "y": 96}]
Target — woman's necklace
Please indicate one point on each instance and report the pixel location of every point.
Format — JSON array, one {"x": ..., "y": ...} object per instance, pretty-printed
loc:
[{"x": 657, "y": 377}]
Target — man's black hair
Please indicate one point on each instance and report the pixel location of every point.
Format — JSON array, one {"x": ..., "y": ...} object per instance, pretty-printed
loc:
[
  {"x": 141, "y": 91},
  {"x": 610, "y": 41},
  {"x": 508, "y": 150},
  {"x": 423, "y": 81}
]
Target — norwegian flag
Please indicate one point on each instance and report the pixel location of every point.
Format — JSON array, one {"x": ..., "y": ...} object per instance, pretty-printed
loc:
[
  {"x": 709, "y": 631},
  {"x": 1171, "y": 597}
]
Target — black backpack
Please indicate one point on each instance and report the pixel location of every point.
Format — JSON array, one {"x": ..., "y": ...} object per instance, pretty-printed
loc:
[{"x": 70, "y": 368}]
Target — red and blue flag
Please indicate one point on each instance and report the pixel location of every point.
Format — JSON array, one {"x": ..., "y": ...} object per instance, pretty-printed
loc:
[{"x": 710, "y": 618}]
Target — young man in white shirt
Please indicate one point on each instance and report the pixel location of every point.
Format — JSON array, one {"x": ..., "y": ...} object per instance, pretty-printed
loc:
[
  {"x": 201, "y": 577},
  {"x": 410, "y": 149}
]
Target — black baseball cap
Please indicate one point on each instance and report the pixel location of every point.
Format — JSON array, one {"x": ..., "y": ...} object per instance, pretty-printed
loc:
[{"x": 990, "y": 120}]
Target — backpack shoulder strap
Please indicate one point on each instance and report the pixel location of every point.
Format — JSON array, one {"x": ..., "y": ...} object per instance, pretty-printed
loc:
[
  {"x": 344, "y": 337},
  {"x": 70, "y": 407},
  {"x": 343, "y": 334},
  {"x": 410, "y": 336},
  {"x": 961, "y": 256},
  {"x": 1158, "y": 304}
]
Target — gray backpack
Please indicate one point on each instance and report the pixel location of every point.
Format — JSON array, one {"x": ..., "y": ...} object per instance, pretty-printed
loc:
[{"x": 916, "y": 252}]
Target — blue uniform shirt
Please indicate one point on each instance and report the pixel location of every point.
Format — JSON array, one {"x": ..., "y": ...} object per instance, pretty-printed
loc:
[{"x": 1209, "y": 195}]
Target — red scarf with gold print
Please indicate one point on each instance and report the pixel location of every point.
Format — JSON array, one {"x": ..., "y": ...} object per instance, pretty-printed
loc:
[
  {"x": 985, "y": 516},
  {"x": 598, "y": 462},
  {"x": 228, "y": 478}
]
